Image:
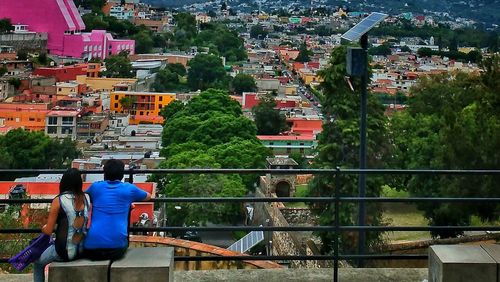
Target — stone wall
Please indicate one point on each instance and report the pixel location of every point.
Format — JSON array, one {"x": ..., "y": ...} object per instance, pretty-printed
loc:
[
  {"x": 29, "y": 41},
  {"x": 295, "y": 216}
]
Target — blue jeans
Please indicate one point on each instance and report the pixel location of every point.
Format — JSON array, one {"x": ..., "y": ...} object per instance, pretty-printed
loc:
[{"x": 48, "y": 256}]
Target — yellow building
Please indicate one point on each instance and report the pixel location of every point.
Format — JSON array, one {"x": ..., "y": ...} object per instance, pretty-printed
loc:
[
  {"x": 309, "y": 77},
  {"x": 67, "y": 88},
  {"x": 107, "y": 84},
  {"x": 145, "y": 108}
]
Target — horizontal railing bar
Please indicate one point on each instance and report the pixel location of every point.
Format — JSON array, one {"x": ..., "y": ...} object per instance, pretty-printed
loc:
[
  {"x": 299, "y": 257},
  {"x": 287, "y": 228},
  {"x": 272, "y": 171},
  {"x": 285, "y": 199}
]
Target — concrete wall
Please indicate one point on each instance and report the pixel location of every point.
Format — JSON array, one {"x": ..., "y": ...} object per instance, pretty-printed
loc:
[{"x": 31, "y": 41}]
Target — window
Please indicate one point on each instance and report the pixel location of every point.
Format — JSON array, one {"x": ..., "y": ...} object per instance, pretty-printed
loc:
[
  {"x": 116, "y": 97},
  {"x": 52, "y": 120},
  {"x": 160, "y": 106},
  {"x": 141, "y": 113},
  {"x": 60, "y": 89},
  {"x": 31, "y": 119},
  {"x": 18, "y": 119},
  {"x": 67, "y": 120},
  {"x": 67, "y": 130},
  {"x": 51, "y": 130},
  {"x": 160, "y": 99},
  {"x": 271, "y": 143}
]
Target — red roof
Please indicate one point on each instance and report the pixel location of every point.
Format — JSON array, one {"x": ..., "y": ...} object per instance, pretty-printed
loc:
[{"x": 286, "y": 137}]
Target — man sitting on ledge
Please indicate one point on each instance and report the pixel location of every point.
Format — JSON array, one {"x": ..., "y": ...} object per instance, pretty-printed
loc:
[{"x": 111, "y": 202}]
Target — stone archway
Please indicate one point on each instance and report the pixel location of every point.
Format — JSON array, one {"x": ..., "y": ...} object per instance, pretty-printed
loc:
[{"x": 282, "y": 189}]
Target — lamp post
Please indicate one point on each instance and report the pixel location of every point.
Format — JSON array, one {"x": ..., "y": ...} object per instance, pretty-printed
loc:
[{"x": 357, "y": 66}]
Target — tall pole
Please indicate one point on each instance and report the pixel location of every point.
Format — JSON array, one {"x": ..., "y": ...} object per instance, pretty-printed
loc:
[{"x": 362, "y": 151}]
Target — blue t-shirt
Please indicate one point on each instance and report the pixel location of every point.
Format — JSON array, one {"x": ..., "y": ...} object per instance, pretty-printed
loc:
[{"x": 111, "y": 202}]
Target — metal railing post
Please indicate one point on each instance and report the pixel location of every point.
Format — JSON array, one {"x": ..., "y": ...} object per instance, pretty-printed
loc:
[{"x": 337, "y": 225}]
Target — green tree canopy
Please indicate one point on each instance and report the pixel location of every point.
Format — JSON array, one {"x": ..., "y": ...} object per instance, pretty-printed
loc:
[
  {"x": 206, "y": 71},
  {"x": 304, "y": 54},
  {"x": 21, "y": 149},
  {"x": 171, "y": 109},
  {"x": 166, "y": 80},
  {"x": 452, "y": 122},
  {"x": 6, "y": 26},
  {"x": 258, "y": 32},
  {"x": 209, "y": 132},
  {"x": 269, "y": 121},
  {"x": 338, "y": 145},
  {"x": 118, "y": 66},
  {"x": 243, "y": 83}
]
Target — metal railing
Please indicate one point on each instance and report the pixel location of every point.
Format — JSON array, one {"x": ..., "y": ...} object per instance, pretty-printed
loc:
[{"x": 336, "y": 200}]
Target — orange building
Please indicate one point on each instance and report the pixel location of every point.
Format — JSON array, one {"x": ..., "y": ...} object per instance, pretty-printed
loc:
[
  {"x": 28, "y": 116},
  {"x": 146, "y": 107}
]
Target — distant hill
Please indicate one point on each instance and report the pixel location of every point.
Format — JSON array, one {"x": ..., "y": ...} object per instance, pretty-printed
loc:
[{"x": 487, "y": 11}]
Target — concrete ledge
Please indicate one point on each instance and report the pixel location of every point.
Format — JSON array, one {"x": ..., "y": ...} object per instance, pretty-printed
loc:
[
  {"x": 81, "y": 270},
  {"x": 138, "y": 264},
  {"x": 316, "y": 275},
  {"x": 461, "y": 263}
]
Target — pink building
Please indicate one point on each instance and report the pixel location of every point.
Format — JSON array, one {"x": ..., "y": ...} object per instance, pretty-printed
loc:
[{"x": 64, "y": 25}]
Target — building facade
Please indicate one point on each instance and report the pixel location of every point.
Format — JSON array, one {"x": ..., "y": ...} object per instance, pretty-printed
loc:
[
  {"x": 62, "y": 22},
  {"x": 146, "y": 106}
]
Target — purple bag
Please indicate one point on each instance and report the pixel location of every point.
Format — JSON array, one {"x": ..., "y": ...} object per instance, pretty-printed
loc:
[{"x": 32, "y": 252}]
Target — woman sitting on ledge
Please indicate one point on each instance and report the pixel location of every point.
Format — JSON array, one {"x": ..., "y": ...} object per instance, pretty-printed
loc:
[{"x": 69, "y": 210}]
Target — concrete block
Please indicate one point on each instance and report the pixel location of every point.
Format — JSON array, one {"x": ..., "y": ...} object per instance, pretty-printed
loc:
[
  {"x": 494, "y": 251},
  {"x": 81, "y": 270},
  {"x": 460, "y": 263},
  {"x": 144, "y": 264}
]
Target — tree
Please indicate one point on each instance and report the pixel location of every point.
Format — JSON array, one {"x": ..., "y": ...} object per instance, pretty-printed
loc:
[
  {"x": 165, "y": 80},
  {"x": 127, "y": 102},
  {"x": 268, "y": 120},
  {"x": 405, "y": 49},
  {"x": 209, "y": 132},
  {"x": 3, "y": 70},
  {"x": 171, "y": 109},
  {"x": 26, "y": 150},
  {"x": 206, "y": 71},
  {"x": 14, "y": 81},
  {"x": 6, "y": 26},
  {"x": 177, "y": 68},
  {"x": 118, "y": 66},
  {"x": 143, "y": 42},
  {"x": 303, "y": 54},
  {"x": 382, "y": 50},
  {"x": 243, "y": 83},
  {"x": 258, "y": 32},
  {"x": 424, "y": 52},
  {"x": 338, "y": 145},
  {"x": 448, "y": 116}
]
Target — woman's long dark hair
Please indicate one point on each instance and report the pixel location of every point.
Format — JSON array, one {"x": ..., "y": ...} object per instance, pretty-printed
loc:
[{"x": 71, "y": 181}]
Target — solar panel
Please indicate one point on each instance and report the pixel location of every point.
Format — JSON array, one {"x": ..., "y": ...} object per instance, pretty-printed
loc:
[
  {"x": 364, "y": 26},
  {"x": 247, "y": 242}
]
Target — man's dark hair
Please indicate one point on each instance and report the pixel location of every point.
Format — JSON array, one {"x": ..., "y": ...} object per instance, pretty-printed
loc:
[{"x": 113, "y": 170}]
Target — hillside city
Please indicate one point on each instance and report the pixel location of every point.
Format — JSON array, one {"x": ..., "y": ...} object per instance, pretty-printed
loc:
[{"x": 251, "y": 85}]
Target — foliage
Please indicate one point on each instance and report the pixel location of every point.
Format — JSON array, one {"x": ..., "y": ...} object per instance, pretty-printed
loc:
[
  {"x": 382, "y": 50},
  {"x": 338, "y": 145},
  {"x": 118, "y": 66},
  {"x": 143, "y": 42},
  {"x": 304, "y": 54},
  {"x": 243, "y": 83},
  {"x": 165, "y": 81},
  {"x": 22, "y": 149},
  {"x": 6, "y": 26},
  {"x": 15, "y": 81},
  {"x": 94, "y": 5},
  {"x": 206, "y": 71},
  {"x": 221, "y": 41},
  {"x": 177, "y": 68},
  {"x": 171, "y": 109},
  {"x": 300, "y": 159},
  {"x": 473, "y": 56},
  {"x": 208, "y": 132},
  {"x": 258, "y": 32},
  {"x": 269, "y": 121},
  {"x": 452, "y": 122},
  {"x": 127, "y": 102},
  {"x": 3, "y": 70}
]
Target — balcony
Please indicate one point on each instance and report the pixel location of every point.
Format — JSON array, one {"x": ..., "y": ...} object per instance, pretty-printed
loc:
[{"x": 306, "y": 264}]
